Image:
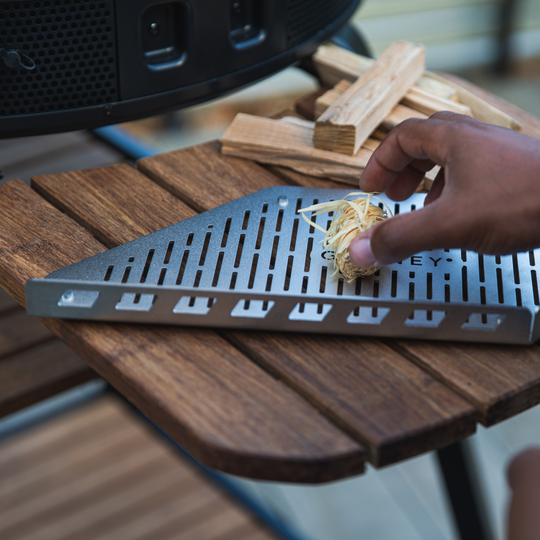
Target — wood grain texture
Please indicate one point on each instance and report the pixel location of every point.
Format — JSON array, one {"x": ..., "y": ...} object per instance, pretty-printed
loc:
[
  {"x": 315, "y": 368},
  {"x": 203, "y": 392},
  {"x": 499, "y": 380},
  {"x": 335, "y": 64},
  {"x": 131, "y": 486},
  {"x": 202, "y": 190},
  {"x": 37, "y": 373},
  {"x": 354, "y": 115},
  {"x": 275, "y": 142}
]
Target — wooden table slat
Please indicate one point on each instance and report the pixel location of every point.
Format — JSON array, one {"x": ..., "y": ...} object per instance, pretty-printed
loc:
[
  {"x": 394, "y": 415},
  {"x": 201, "y": 390}
]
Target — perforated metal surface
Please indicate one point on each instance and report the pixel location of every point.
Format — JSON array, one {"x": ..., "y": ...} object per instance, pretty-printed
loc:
[
  {"x": 255, "y": 263},
  {"x": 73, "y": 46},
  {"x": 305, "y": 18}
]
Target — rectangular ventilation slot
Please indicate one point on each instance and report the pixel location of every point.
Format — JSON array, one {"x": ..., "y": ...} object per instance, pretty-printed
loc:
[
  {"x": 197, "y": 279},
  {"x": 497, "y": 259},
  {"x": 246, "y": 220},
  {"x": 515, "y": 264},
  {"x": 288, "y": 273},
  {"x": 500, "y": 288},
  {"x": 393, "y": 286},
  {"x": 218, "y": 269},
  {"x": 481, "y": 274},
  {"x": 302, "y": 307},
  {"x": 411, "y": 291},
  {"x": 322, "y": 286},
  {"x": 125, "y": 277},
  {"x": 182, "y": 267},
  {"x": 429, "y": 286},
  {"x": 162, "y": 276},
  {"x": 358, "y": 286},
  {"x": 535, "y": 288},
  {"x": 309, "y": 248},
  {"x": 298, "y": 205},
  {"x": 268, "y": 287},
  {"x": 225, "y": 236},
  {"x": 204, "y": 251},
  {"x": 135, "y": 302},
  {"x": 108, "y": 273},
  {"x": 532, "y": 262},
  {"x": 253, "y": 270},
  {"x": 264, "y": 208},
  {"x": 413, "y": 207},
  {"x": 233, "y": 281},
  {"x": 412, "y": 275},
  {"x": 189, "y": 239},
  {"x": 293, "y": 235},
  {"x": 304, "y": 285},
  {"x": 464, "y": 284},
  {"x": 78, "y": 299},
  {"x": 447, "y": 293},
  {"x": 147, "y": 266},
  {"x": 375, "y": 311},
  {"x": 518, "y": 298},
  {"x": 328, "y": 223},
  {"x": 483, "y": 302},
  {"x": 169, "y": 252},
  {"x": 239, "y": 250},
  {"x": 396, "y": 209},
  {"x": 252, "y": 309},
  {"x": 367, "y": 315},
  {"x": 425, "y": 318},
  {"x": 488, "y": 322},
  {"x": 274, "y": 253},
  {"x": 340, "y": 287},
  {"x": 260, "y": 233},
  {"x": 312, "y": 312},
  {"x": 313, "y": 218},
  {"x": 279, "y": 221},
  {"x": 194, "y": 305},
  {"x": 464, "y": 255}
]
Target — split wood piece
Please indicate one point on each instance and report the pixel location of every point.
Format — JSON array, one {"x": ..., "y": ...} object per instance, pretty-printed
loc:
[
  {"x": 275, "y": 142},
  {"x": 398, "y": 114},
  {"x": 334, "y": 64},
  {"x": 423, "y": 101},
  {"x": 353, "y": 116},
  {"x": 196, "y": 386},
  {"x": 363, "y": 386}
]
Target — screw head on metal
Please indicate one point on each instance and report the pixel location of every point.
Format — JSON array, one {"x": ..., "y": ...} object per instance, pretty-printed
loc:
[
  {"x": 283, "y": 201},
  {"x": 67, "y": 296},
  {"x": 154, "y": 29}
]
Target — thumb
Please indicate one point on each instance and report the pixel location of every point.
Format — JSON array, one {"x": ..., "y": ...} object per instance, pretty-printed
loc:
[{"x": 402, "y": 236}]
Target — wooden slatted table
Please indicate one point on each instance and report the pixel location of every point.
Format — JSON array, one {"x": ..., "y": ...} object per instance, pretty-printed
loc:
[{"x": 284, "y": 407}]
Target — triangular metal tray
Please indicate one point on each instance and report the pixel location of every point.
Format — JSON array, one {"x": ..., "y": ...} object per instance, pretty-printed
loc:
[{"x": 255, "y": 263}]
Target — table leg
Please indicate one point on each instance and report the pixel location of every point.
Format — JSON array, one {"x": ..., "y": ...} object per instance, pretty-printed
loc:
[{"x": 463, "y": 488}]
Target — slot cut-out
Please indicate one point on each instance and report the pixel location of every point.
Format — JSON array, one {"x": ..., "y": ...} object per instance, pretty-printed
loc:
[
  {"x": 194, "y": 305},
  {"x": 312, "y": 312},
  {"x": 182, "y": 268},
  {"x": 225, "y": 236},
  {"x": 252, "y": 309},
  {"x": 108, "y": 273},
  {"x": 169, "y": 252},
  {"x": 488, "y": 322},
  {"x": 425, "y": 318},
  {"x": 146, "y": 268},
  {"x": 368, "y": 315},
  {"x": 135, "y": 302},
  {"x": 78, "y": 299}
]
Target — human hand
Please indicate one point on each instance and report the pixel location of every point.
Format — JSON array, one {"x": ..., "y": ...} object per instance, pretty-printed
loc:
[
  {"x": 524, "y": 510},
  {"x": 485, "y": 199}
]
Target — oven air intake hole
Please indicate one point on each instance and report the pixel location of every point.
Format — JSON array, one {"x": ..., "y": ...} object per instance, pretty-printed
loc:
[
  {"x": 426, "y": 318},
  {"x": 252, "y": 309},
  {"x": 312, "y": 312}
]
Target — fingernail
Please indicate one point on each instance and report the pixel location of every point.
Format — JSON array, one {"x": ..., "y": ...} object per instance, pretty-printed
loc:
[{"x": 361, "y": 255}]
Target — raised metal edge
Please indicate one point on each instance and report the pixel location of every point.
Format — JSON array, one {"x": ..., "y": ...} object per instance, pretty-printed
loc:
[{"x": 50, "y": 298}]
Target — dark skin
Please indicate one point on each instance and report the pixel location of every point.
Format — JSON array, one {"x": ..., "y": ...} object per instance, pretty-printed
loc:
[{"x": 485, "y": 199}]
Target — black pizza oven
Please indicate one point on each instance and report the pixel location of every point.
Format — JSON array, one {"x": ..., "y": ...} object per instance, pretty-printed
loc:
[{"x": 72, "y": 64}]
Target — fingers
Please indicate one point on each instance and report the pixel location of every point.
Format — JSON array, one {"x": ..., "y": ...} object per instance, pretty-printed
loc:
[
  {"x": 436, "y": 188},
  {"x": 402, "y": 236},
  {"x": 421, "y": 144}
]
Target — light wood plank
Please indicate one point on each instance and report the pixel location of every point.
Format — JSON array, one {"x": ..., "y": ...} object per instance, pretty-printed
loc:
[
  {"x": 191, "y": 364},
  {"x": 354, "y": 115}
]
